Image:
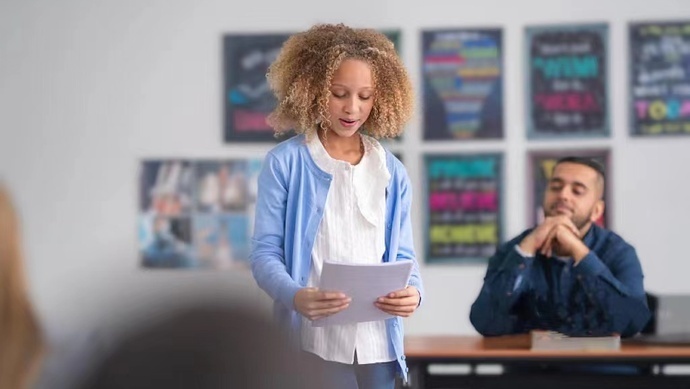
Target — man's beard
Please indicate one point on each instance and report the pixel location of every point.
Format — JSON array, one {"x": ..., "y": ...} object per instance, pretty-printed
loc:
[{"x": 581, "y": 222}]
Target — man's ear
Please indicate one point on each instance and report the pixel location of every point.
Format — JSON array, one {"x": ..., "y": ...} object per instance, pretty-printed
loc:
[{"x": 598, "y": 210}]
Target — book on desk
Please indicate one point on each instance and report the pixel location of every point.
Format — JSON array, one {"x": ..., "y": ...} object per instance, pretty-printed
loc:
[{"x": 553, "y": 341}]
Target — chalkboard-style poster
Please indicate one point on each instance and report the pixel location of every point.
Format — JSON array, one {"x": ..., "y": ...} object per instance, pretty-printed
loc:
[
  {"x": 247, "y": 97},
  {"x": 660, "y": 78},
  {"x": 541, "y": 164},
  {"x": 567, "y": 81},
  {"x": 464, "y": 215},
  {"x": 463, "y": 84},
  {"x": 394, "y": 35},
  {"x": 399, "y": 156}
]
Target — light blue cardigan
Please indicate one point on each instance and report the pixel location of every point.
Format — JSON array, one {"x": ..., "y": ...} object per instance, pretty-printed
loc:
[{"x": 291, "y": 198}]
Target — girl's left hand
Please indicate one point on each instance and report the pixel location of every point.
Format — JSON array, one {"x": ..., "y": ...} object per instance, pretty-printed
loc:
[{"x": 402, "y": 302}]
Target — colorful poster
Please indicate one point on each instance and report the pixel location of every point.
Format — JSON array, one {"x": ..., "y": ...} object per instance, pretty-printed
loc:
[
  {"x": 463, "y": 84},
  {"x": 567, "y": 81},
  {"x": 247, "y": 97},
  {"x": 541, "y": 164},
  {"x": 465, "y": 207},
  {"x": 660, "y": 78},
  {"x": 197, "y": 214}
]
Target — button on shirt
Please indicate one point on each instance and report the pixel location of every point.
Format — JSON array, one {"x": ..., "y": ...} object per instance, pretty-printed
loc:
[{"x": 352, "y": 230}]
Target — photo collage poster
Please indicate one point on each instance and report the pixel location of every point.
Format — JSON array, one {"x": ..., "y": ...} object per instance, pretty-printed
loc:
[
  {"x": 541, "y": 164},
  {"x": 196, "y": 214},
  {"x": 464, "y": 207},
  {"x": 567, "y": 81},
  {"x": 660, "y": 78},
  {"x": 247, "y": 97},
  {"x": 462, "y": 84}
]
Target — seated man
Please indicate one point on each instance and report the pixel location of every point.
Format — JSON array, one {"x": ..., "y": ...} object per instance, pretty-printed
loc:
[{"x": 567, "y": 274}]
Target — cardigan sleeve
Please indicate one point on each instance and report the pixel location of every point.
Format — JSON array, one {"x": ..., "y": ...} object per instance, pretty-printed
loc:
[{"x": 267, "y": 256}]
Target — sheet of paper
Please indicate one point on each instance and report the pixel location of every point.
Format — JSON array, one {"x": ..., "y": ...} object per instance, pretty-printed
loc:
[{"x": 364, "y": 284}]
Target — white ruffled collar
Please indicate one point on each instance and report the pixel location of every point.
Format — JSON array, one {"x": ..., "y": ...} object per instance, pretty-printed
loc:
[
  {"x": 370, "y": 177},
  {"x": 374, "y": 156}
]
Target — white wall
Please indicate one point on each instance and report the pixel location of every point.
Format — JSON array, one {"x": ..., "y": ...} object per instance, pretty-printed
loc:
[{"x": 88, "y": 88}]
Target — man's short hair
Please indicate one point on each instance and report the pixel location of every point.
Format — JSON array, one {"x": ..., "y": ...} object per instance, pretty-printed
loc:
[{"x": 590, "y": 162}]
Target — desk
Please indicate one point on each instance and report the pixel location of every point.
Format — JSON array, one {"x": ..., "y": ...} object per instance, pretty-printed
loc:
[{"x": 474, "y": 351}]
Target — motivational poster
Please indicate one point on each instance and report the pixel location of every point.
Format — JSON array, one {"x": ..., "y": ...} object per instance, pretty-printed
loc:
[
  {"x": 464, "y": 207},
  {"x": 660, "y": 78},
  {"x": 462, "y": 84},
  {"x": 567, "y": 81},
  {"x": 247, "y": 98}
]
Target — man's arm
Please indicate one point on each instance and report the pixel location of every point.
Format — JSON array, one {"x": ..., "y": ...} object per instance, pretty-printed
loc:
[
  {"x": 613, "y": 300},
  {"x": 507, "y": 278},
  {"x": 616, "y": 291}
]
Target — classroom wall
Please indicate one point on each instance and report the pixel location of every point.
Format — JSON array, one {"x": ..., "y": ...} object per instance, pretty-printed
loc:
[{"x": 87, "y": 89}]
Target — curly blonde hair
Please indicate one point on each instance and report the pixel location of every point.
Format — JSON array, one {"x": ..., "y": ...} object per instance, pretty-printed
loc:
[{"x": 301, "y": 79}]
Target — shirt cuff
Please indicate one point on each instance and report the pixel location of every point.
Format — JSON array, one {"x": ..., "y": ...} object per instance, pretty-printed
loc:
[
  {"x": 590, "y": 264},
  {"x": 287, "y": 295},
  {"x": 516, "y": 259},
  {"x": 522, "y": 253}
]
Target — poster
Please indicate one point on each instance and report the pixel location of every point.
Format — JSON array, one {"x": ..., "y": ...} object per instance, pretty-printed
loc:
[
  {"x": 196, "y": 213},
  {"x": 465, "y": 207},
  {"x": 247, "y": 98},
  {"x": 541, "y": 164},
  {"x": 395, "y": 35},
  {"x": 660, "y": 78},
  {"x": 462, "y": 84},
  {"x": 567, "y": 81},
  {"x": 399, "y": 156}
]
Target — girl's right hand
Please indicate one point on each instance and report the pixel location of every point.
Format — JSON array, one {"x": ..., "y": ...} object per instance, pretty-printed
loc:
[{"x": 314, "y": 304}]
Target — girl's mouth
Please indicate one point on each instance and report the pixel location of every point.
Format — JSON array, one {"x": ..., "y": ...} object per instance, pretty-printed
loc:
[{"x": 348, "y": 122}]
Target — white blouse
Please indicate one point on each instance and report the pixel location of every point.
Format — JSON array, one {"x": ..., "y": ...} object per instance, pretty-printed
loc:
[{"x": 352, "y": 231}]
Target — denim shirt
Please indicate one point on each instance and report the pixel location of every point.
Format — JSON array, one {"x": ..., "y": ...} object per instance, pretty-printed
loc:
[
  {"x": 602, "y": 295},
  {"x": 290, "y": 203}
]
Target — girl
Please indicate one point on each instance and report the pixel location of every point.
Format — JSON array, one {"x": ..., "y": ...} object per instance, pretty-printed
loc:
[{"x": 333, "y": 193}]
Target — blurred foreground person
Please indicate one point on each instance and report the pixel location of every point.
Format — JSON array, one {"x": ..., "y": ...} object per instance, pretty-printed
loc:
[
  {"x": 21, "y": 340},
  {"x": 205, "y": 347}
]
